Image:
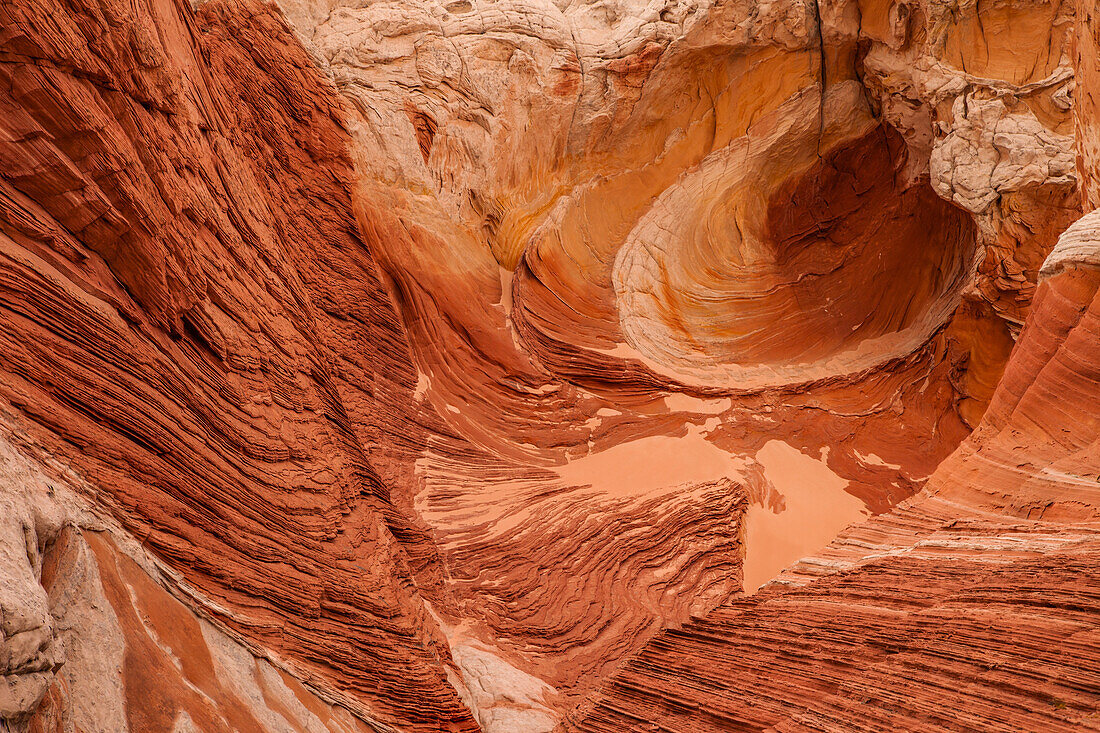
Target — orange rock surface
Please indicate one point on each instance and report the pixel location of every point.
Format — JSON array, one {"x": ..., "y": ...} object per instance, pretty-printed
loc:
[
  {"x": 971, "y": 606},
  {"x": 517, "y": 366},
  {"x": 190, "y": 312}
]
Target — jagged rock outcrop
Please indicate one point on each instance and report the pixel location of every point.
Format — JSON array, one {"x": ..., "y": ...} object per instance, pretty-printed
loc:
[{"x": 425, "y": 365}]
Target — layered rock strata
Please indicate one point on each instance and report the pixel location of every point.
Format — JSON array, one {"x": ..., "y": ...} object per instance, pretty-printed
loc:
[
  {"x": 972, "y": 605},
  {"x": 191, "y": 319},
  {"x": 410, "y": 365},
  {"x": 105, "y": 647},
  {"x": 636, "y": 246}
]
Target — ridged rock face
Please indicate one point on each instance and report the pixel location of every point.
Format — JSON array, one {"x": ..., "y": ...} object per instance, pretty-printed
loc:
[
  {"x": 665, "y": 269},
  {"x": 971, "y": 606},
  {"x": 127, "y": 654},
  {"x": 501, "y": 365},
  {"x": 191, "y": 320}
]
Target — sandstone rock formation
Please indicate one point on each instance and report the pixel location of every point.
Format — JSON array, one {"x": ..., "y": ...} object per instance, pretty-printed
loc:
[
  {"x": 504, "y": 365},
  {"x": 190, "y": 314},
  {"x": 970, "y": 606}
]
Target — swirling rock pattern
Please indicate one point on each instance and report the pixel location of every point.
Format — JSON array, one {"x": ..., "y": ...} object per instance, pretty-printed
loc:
[
  {"x": 972, "y": 605},
  {"x": 500, "y": 364},
  {"x": 609, "y": 226},
  {"x": 179, "y": 250}
]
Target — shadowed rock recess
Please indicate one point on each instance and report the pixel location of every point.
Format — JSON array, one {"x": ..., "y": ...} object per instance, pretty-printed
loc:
[{"x": 520, "y": 366}]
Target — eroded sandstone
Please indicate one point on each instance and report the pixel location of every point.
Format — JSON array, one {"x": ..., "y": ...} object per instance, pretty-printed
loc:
[{"x": 429, "y": 366}]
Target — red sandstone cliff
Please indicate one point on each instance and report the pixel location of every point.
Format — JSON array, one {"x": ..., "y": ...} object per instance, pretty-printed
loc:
[
  {"x": 193, "y": 323},
  {"x": 454, "y": 366}
]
